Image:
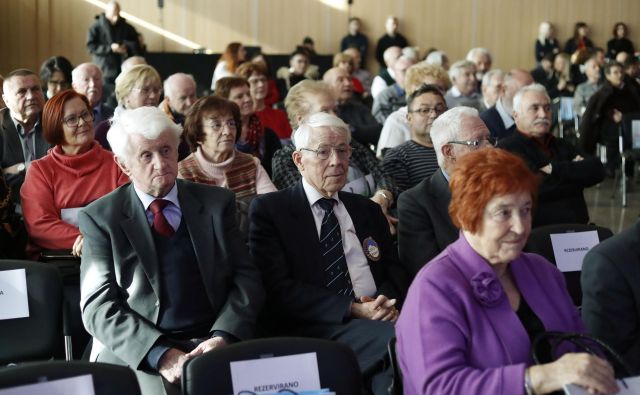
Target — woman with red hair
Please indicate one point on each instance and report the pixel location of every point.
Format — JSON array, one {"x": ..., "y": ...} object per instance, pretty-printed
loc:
[
  {"x": 75, "y": 172},
  {"x": 471, "y": 314},
  {"x": 233, "y": 55}
]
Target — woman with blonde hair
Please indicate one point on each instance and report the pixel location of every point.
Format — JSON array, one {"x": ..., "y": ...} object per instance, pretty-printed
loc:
[{"x": 140, "y": 86}]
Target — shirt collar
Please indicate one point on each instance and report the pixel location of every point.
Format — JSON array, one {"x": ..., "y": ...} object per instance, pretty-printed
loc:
[
  {"x": 20, "y": 128},
  {"x": 455, "y": 92},
  {"x": 147, "y": 199},
  {"x": 313, "y": 195},
  {"x": 506, "y": 117}
]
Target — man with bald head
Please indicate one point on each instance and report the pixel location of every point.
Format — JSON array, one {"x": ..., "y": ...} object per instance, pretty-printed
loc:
[
  {"x": 391, "y": 38},
  {"x": 424, "y": 225},
  {"x": 179, "y": 96},
  {"x": 86, "y": 79},
  {"x": 564, "y": 171},
  {"x": 364, "y": 126},
  {"x": 392, "y": 97},
  {"x": 386, "y": 77},
  {"x": 499, "y": 118}
]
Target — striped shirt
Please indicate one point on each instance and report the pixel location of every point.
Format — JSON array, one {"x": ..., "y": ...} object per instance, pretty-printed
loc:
[{"x": 409, "y": 163}]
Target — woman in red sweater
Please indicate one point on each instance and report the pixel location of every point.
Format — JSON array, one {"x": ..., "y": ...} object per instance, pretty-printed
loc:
[{"x": 75, "y": 172}]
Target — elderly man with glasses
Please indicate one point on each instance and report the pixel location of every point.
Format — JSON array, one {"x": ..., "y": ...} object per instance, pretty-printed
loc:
[
  {"x": 326, "y": 256},
  {"x": 424, "y": 226},
  {"x": 564, "y": 170}
]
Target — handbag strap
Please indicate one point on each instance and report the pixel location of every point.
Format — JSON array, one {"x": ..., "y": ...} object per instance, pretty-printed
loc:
[{"x": 583, "y": 342}]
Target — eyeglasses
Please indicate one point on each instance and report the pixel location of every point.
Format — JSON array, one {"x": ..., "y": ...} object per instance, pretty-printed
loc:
[
  {"x": 323, "y": 153},
  {"x": 474, "y": 144},
  {"x": 217, "y": 125},
  {"x": 148, "y": 90},
  {"x": 73, "y": 121},
  {"x": 427, "y": 110}
]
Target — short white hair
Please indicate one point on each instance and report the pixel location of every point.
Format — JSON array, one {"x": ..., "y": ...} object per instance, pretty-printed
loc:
[
  {"x": 436, "y": 58},
  {"x": 149, "y": 122},
  {"x": 473, "y": 52},
  {"x": 411, "y": 53},
  {"x": 517, "y": 99},
  {"x": 173, "y": 79},
  {"x": 457, "y": 67},
  {"x": 488, "y": 76},
  {"x": 76, "y": 74},
  {"x": 302, "y": 134},
  {"x": 447, "y": 127}
]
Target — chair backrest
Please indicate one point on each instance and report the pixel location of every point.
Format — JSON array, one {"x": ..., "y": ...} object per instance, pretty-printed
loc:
[
  {"x": 631, "y": 141},
  {"x": 540, "y": 243},
  {"x": 210, "y": 373},
  {"x": 396, "y": 387},
  {"x": 107, "y": 379},
  {"x": 39, "y": 336}
]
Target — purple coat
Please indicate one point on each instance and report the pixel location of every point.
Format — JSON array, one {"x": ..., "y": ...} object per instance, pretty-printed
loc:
[{"x": 457, "y": 333}]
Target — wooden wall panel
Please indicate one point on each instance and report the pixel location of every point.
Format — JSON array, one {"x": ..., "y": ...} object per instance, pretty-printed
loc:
[{"x": 32, "y": 30}]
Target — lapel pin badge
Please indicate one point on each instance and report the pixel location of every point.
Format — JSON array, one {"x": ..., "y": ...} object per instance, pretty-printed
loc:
[{"x": 371, "y": 249}]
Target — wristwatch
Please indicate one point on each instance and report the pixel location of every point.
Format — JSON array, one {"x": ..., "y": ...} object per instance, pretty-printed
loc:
[{"x": 21, "y": 167}]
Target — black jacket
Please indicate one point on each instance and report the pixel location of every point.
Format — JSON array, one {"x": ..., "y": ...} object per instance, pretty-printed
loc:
[
  {"x": 99, "y": 39},
  {"x": 560, "y": 194}
]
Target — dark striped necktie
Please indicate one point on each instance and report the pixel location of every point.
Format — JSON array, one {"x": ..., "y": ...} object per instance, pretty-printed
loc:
[{"x": 336, "y": 272}]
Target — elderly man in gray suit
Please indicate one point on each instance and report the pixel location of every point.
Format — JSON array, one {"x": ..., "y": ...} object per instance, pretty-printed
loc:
[{"x": 164, "y": 275}]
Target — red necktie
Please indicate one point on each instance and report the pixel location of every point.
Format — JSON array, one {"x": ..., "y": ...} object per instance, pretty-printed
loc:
[{"x": 160, "y": 223}]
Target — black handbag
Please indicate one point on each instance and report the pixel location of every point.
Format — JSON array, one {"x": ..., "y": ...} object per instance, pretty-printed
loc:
[{"x": 585, "y": 343}]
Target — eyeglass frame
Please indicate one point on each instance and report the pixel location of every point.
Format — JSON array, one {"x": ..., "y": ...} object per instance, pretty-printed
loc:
[
  {"x": 429, "y": 110},
  {"x": 474, "y": 144},
  {"x": 77, "y": 118},
  {"x": 229, "y": 123},
  {"x": 336, "y": 150}
]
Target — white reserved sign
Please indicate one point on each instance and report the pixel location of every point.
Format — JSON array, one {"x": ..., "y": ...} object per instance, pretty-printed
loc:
[
  {"x": 269, "y": 375},
  {"x": 14, "y": 302},
  {"x": 569, "y": 249},
  {"x": 79, "y": 385}
]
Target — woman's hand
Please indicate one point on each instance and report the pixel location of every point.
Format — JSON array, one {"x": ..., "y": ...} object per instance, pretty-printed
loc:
[
  {"x": 593, "y": 373},
  {"x": 76, "y": 250}
]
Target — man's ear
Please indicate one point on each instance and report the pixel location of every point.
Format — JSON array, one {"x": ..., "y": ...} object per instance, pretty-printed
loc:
[
  {"x": 123, "y": 166},
  {"x": 447, "y": 151},
  {"x": 297, "y": 160}
]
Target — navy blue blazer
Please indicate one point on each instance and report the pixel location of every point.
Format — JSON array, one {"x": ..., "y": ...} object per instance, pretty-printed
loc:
[
  {"x": 283, "y": 241},
  {"x": 492, "y": 119}
]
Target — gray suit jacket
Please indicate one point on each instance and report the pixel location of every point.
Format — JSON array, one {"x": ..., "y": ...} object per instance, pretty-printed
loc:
[
  {"x": 611, "y": 294},
  {"x": 120, "y": 295},
  {"x": 424, "y": 225}
]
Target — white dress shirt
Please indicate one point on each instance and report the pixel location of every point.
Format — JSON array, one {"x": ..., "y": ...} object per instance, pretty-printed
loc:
[{"x": 359, "y": 271}]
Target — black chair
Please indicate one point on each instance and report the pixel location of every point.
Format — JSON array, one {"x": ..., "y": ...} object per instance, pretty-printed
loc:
[
  {"x": 75, "y": 335},
  {"x": 210, "y": 373},
  {"x": 107, "y": 379},
  {"x": 396, "y": 387},
  {"x": 629, "y": 148},
  {"x": 39, "y": 336},
  {"x": 540, "y": 243}
]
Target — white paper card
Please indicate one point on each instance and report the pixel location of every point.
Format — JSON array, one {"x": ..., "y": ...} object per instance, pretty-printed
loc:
[
  {"x": 632, "y": 387},
  {"x": 635, "y": 133},
  {"x": 569, "y": 249},
  {"x": 14, "y": 302},
  {"x": 70, "y": 215},
  {"x": 79, "y": 385},
  {"x": 268, "y": 375}
]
